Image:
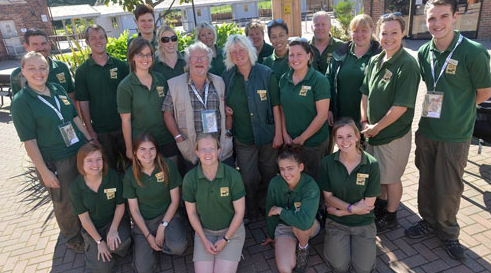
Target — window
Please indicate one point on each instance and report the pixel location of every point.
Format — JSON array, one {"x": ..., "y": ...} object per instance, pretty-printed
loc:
[
  {"x": 114, "y": 21},
  {"x": 198, "y": 12},
  {"x": 246, "y": 8}
]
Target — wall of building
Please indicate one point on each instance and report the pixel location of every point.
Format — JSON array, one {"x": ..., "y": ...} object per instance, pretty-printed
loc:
[
  {"x": 25, "y": 14},
  {"x": 484, "y": 30}
]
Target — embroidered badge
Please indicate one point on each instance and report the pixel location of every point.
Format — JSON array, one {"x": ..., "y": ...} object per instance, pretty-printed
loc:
[
  {"x": 160, "y": 90},
  {"x": 451, "y": 67},
  {"x": 113, "y": 73},
  {"x": 297, "y": 206},
  {"x": 110, "y": 193},
  {"x": 64, "y": 99},
  {"x": 61, "y": 77},
  {"x": 361, "y": 179},
  {"x": 223, "y": 191},
  {"x": 387, "y": 75},
  {"x": 304, "y": 90},
  {"x": 262, "y": 94},
  {"x": 160, "y": 177}
]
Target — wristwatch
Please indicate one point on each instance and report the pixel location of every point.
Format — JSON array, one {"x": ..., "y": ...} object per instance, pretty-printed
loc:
[
  {"x": 226, "y": 239},
  {"x": 100, "y": 241},
  {"x": 164, "y": 223}
]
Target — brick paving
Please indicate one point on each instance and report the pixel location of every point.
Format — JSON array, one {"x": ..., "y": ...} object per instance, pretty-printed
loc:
[{"x": 30, "y": 242}]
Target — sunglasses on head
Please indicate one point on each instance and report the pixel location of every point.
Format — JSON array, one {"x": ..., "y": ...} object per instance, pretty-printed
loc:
[
  {"x": 298, "y": 39},
  {"x": 165, "y": 40},
  {"x": 275, "y": 21},
  {"x": 391, "y": 13}
]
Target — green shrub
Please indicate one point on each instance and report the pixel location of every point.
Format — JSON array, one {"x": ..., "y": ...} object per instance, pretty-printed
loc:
[
  {"x": 116, "y": 47},
  {"x": 344, "y": 14},
  {"x": 338, "y": 33}
]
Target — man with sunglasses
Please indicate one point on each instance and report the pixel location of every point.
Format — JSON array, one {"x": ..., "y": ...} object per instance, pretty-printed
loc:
[
  {"x": 457, "y": 75},
  {"x": 145, "y": 20},
  {"x": 323, "y": 45},
  {"x": 96, "y": 83},
  {"x": 255, "y": 31}
]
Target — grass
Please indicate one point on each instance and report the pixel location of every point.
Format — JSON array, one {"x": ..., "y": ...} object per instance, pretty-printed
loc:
[
  {"x": 264, "y": 5},
  {"x": 221, "y": 9}
]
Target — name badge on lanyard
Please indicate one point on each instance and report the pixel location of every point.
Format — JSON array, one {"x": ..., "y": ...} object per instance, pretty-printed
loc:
[
  {"x": 208, "y": 117},
  {"x": 433, "y": 102},
  {"x": 66, "y": 128}
]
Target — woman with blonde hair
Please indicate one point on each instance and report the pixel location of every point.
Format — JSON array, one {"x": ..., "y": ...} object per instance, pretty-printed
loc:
[
  {"x": 252, "y": 96},
  {"x": 207, "y": 34},
  {"x": 168, "y": 61}
]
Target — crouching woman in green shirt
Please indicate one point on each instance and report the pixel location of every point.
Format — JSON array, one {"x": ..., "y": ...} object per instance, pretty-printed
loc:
[
  {"x": 215, "y": 202},
  {"x": 47, "y": 123},
  {"x": 350, "y": 183},
  {"x": 97, "y": 198},
  {"x": 291, "y": 206},
  {"x": 151, "y": 186}
]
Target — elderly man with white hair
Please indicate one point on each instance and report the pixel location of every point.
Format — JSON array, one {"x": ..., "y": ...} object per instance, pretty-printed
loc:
[{"x": 195, "y": 104}]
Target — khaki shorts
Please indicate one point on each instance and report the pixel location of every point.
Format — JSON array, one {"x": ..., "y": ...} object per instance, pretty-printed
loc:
[
  {"x": 231, "y": 252},
  {"x": 392, "y": 158},
  {"x": 283, "y": 230}
]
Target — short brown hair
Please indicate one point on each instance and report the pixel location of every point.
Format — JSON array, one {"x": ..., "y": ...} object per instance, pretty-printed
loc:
[
  {"x": 451, "y": 3},
  {"x": 94, "y": 27},
  {"x": 143, "y": 9},
  {"x": 136, "y": 46},
  {"x": 388, "y": 18},
  {"x": 254, "y": 24},
  {"x": 87, "y": 149},
  {"x": 34, "y": 32}
]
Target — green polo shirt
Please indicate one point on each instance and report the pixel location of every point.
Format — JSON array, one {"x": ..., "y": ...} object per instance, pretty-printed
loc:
[
  {"x": 168, "y": 71},
  {"x": 299, "y": 205},
  {"x": 98, "y": 85},
  {"x": 265, "y": 52},
  {"x": 58, "y": 73},
  {"x": 154, "y": 41},
  {"x": 144, "y": 106},
  {"x": 458, "y": 113},
  {"x": 320, "y": 60},
  {"x": 154, "y": 197},
  {"x": 217, "y": 64},
  {"x": 298, "y": 102},
  {"x": 391, "y": 83},
  {"x": 237, "y": 100},
  {"x": 279, "y": 65},
  {"x": 348, "y": 81},
  {"x": 214, "y": 199},
  {"x": 362, "y": 182},
  {"x": 101, "y": 204},
  {"x": 33, "y": 119}
]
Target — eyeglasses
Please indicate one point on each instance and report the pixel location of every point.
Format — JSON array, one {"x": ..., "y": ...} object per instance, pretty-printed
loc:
[
  {"x": 391, "y": 13},
  {"x": 198, "y": 58},
  {"x": 141, "y": 55},
  {"x": 275, "y": 22},
  {"x": 165, "y": 40}
]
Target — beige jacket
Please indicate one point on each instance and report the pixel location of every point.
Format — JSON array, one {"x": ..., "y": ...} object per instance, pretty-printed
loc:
[{"x": 183, "y": 114}]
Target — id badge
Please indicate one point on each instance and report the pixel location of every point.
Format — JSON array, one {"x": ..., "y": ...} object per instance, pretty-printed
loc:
[
  {"x": 432, "y": 105},
  {"x": 68, "y": 133},
  {"x": 209, "y": 120}
]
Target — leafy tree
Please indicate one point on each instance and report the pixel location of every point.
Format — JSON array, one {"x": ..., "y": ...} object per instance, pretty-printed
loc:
[{"x": 344, "y": 14}]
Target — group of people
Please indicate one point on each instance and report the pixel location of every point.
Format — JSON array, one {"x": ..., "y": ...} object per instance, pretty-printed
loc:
[{"x": 251, "y": 128}]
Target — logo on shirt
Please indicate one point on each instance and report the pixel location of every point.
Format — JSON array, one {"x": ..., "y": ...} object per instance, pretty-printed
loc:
[
  {"x": 160, "y": 90},
  {"x": 297, "y": 206},
  {"x": 223, "y": 191},
  {"x": 304, "y": 90},
  {"x": 64, "y": 99},
  {"x": 451, "y": 67},
  {"x": 110, "y": 193},
  {"x": 160, "y": 177},
  {"x": 61, "y": 77},
  {"x": 113, "y": 73},
  {"x": 262, "y": 94},
  {"x": 361, "y": 179},
  {"x": 387, "y": 75},
  {"x": 329, "y": 57}
]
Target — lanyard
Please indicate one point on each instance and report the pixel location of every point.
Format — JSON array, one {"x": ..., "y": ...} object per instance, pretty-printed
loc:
[
  {"x": 198, "y": 96},
  {"x": 57, "y": 111},
  {"x": 435, "y": 81}
]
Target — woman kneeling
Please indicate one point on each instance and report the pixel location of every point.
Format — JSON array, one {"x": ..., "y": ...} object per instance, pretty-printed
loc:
[{"x": 291, "y": 205}]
